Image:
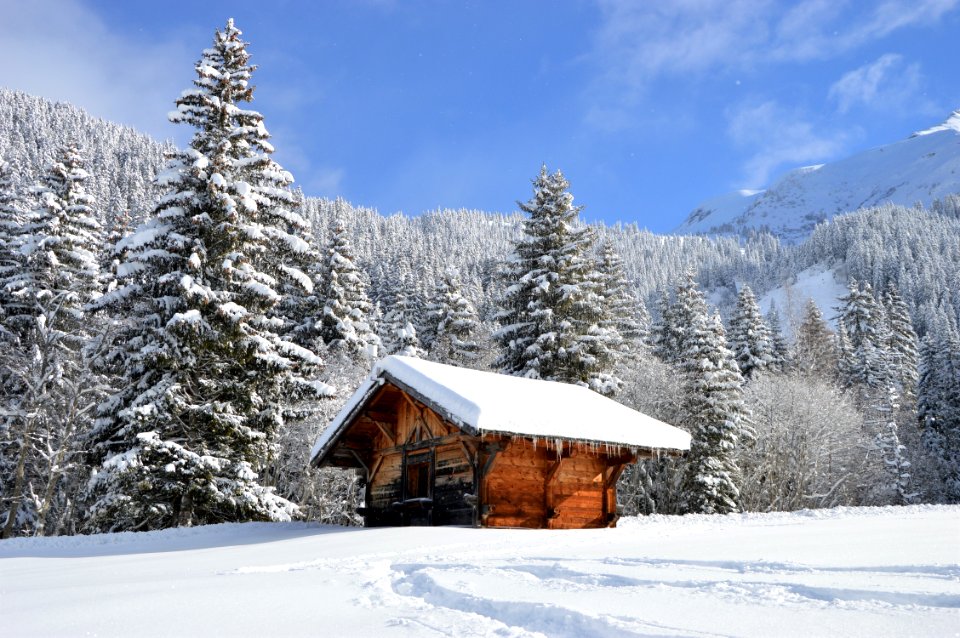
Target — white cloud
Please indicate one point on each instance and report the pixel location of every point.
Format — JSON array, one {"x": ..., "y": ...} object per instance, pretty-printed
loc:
[
  {"x": 885, "y": 83},
  {"x": 778, "y": 138},
  {"x": 61, "y": 50},
  {"x": 640, "y": 42}
]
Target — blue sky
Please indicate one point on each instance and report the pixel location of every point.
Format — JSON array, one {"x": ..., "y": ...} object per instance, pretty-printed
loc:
[{"x": 648, "y": 107}]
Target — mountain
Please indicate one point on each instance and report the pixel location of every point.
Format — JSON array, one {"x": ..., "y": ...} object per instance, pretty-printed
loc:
[
  {"x": 921, "y": 168},
  {"x": 122, "y": 161},
  {"x": 917, "y": 250}
]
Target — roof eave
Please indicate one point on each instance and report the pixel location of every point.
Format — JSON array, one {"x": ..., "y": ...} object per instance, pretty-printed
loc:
[{"x": 344, "y": 422}]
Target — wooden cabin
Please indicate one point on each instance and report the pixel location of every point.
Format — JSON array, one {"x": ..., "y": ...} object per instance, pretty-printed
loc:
[{"x": 442, "y": 445}]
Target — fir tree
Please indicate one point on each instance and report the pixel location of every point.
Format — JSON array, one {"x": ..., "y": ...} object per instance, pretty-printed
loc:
[
  {"x": 717, "y": 418},
  {"x": 664, "y": 332},
  {"x": 49, "y": 388},
  {"x": 11, "y": 231},
  {"x": 625, "y": 316},
  {"x": 864, "y": 322},
  {"x": 398, "y": 331},
  {"x": 59, "y": 272},
  {"x": 205, "y": 371},
  {"x": 938, "y": 406},
  {"x": 816, "y": 348},
  {"x": 902, "y": 343},
  {"x": 453, "y": 323},
  {"x": 346, "y": 310},
  {"x": 867, "y": 366},
  {"x": 749, "y": 336},
  {"x": 781, "y": 351},
  {"x": 550, "y": 312}
]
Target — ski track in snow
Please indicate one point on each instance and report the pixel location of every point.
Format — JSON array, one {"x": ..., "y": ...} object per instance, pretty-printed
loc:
[
  {"x": 466, "y": 592},
  {"x": 851, "y": 571}
]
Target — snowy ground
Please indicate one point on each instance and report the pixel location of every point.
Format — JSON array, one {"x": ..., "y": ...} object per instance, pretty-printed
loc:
[{"x": 859, "y": 571}]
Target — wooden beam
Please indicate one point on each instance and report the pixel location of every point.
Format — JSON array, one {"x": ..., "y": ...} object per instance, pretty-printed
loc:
[
  {"x": 612, "y": 475},
  {"x": 387, "y": 430},
  {"x": 360, "y": 461},
  {"x": 376, "y": 468},
  {"x": 552, "y": 473},
  {"x": 423, "y": 423},
  {"x": 466, "y": 452},
  {"x": 548, "y": 511}
]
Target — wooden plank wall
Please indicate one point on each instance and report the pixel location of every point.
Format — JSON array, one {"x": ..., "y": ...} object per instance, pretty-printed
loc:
[
  {"x": 417, "y": 428},
  {"x": 531, "y": 486}
]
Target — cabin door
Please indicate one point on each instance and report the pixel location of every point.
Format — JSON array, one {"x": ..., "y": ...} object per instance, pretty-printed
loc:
[{"x": 418, "y": 477}]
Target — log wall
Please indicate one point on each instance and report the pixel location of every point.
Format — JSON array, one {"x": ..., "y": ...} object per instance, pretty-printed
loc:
[{"x": 415, "y": 431}]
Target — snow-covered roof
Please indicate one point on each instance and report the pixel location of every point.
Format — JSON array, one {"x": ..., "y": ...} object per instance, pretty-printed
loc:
[{"x": 485, "y": 402}]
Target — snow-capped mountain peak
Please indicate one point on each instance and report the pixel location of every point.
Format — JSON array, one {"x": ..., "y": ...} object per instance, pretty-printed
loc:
[
  {"x": 952, "y": 124},
  {"x": 920, "y": 168}
]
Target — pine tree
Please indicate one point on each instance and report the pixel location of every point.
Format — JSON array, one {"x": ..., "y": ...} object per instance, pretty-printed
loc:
[
  {"x": 47, "y": 383},
  {"x": 716, "y": 416},
  {"x": 398, "y": 331},
  {"x": 205, "y": 372},
  {"x": 346, "y": 310},
  {"x": 902, "y": 344},
  {"x": 868, "y": 366},
  {"x": 781, "y": 351},
  {"x": 453, "y": 322},
  {"x": 749, "y": 336},
  {"x": 625, "y": 316},
  {"x": 11, "y": 231},
  {"x": 865, "y": 324},
  {"x": 816, "y": 348},
  {"x": 550, "y": 312},
  {"x": 938, "y": 406},
  {"x": 664, "y": 332},
  {"x": 59, "y": 272}
]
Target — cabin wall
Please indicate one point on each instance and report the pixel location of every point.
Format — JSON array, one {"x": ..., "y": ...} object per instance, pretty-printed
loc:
[
  {"x": 532, "y": 486},
  {"x": 418, "y": 433}
]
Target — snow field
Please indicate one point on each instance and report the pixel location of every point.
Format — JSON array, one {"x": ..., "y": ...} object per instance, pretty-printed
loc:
[{"x": 850, "y": 571}]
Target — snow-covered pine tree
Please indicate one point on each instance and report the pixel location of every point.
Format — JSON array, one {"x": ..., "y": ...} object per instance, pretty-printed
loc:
[
  {"x": 781, "y": 350},
  {"x": 902, "y": 343},
  {"x": 816, "y": 348},
  {"x": 664, "y": 332},
  {"x": 49, "y": 388},
  {"x": 749, "y": 336},
  {"x": 938, "y": 407},
  {"x": 626, "y": 317},
  {"x": 550, "y": 311},
  {"x": 864, "y": 322},
  {"x": 716, "y": 416},
  {"x": 59, "y": 271},
  {"x": 204, "y": 372},
  {"x": 346, "y": 321},
  {"x": 398, "y": 331},
  {"x": 11, "y": 221},
  {"x": 453, "y": 322},
  {"x": 11, "y": 231},
  {"x": 689, "y": 307},
  {"x": 867, "y": 366}
]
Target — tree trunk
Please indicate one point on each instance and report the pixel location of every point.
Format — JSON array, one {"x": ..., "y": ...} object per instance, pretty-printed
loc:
[{"x": 19, "y": 480}]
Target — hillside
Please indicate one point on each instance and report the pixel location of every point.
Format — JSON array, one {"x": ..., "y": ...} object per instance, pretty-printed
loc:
[
  {"x": 849, "y": 571},
  {"x": 921, "y": 168},
  {"x": 123, "y": 160},
  {"x": 417, "y": 249}
]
